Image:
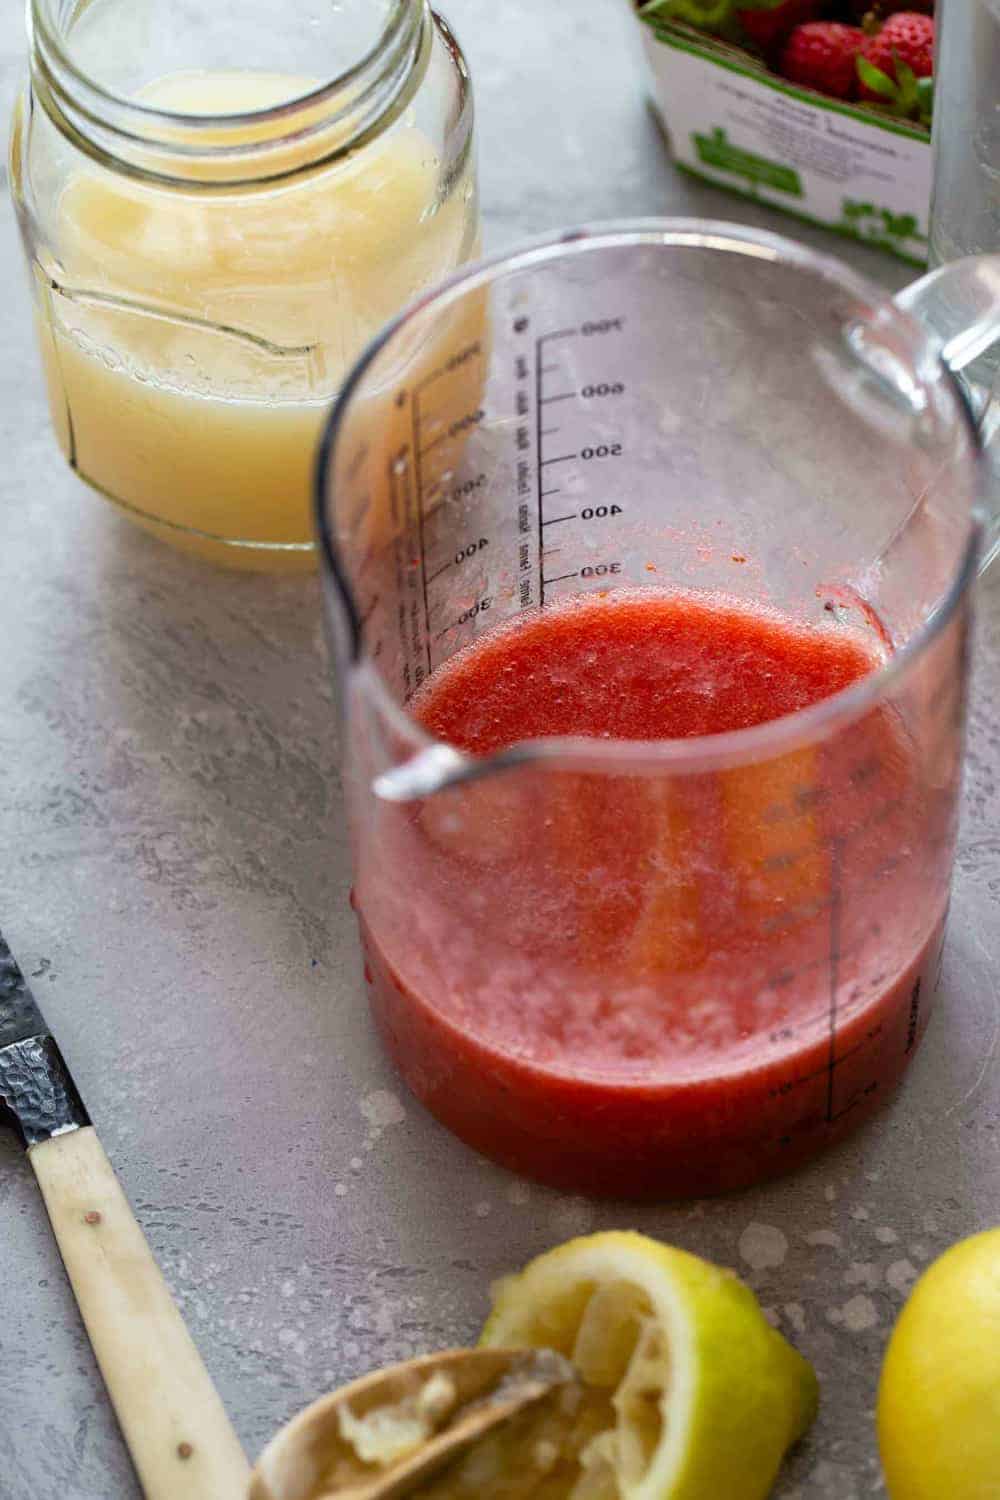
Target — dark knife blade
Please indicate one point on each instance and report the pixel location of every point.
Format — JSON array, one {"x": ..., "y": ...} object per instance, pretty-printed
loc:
[{"x": 37, "y": 1094}]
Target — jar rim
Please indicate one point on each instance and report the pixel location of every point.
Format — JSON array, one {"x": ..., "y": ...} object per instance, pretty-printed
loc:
[{"x": 338, "y": 115}]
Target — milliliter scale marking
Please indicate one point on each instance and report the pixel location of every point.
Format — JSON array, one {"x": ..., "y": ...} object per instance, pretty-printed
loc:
[
  {"x": 547, "y": 364},
  {"x": 418, "y": 457},
  {"x": 424, "y": 445},
  {"x": 837, "y": 1010},
  {"x": 836, "y": 897},
  {"x": 432, "y": 456}
]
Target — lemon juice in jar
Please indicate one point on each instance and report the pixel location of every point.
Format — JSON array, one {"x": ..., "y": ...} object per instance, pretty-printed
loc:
[{"x": 211, "y": 245}]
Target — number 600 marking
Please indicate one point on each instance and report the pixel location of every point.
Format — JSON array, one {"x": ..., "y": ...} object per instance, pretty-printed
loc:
[{"x": 603, "y": 388}]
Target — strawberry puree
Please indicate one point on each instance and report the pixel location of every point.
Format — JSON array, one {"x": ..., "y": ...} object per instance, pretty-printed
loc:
[{"x": 647, "y": 983}]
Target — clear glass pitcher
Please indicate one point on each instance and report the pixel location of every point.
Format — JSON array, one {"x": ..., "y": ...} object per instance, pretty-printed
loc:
[{"x": 677, "y": 966}]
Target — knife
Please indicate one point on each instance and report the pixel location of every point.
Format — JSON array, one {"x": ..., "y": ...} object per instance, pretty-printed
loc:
[{"x": 173, "y": 1421}]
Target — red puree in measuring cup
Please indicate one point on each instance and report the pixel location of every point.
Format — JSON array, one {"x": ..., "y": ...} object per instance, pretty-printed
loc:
[{"x": 654, "y": 983}]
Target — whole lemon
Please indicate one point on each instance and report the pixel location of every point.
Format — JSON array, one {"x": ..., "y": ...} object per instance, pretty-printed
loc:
[{"x": 939, "y": 1394}]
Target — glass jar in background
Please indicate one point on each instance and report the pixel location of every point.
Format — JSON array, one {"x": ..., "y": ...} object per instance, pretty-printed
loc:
[
  {"x": 219, "y": 208},
  {"x": 965, "y": 209}
]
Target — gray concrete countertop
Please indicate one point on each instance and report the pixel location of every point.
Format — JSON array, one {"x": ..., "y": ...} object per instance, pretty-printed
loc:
[{"x": 174, "y": 875}]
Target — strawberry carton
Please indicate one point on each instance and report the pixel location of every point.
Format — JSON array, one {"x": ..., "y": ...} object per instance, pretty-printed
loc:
[{"x": 821, "y": 108}]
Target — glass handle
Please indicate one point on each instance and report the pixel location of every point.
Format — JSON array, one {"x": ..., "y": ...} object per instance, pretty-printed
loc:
[{"x": 959, "y": 305}]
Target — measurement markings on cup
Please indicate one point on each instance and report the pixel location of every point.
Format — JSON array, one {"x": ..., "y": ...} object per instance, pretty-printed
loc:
[
  {"x": 438, "y": 424},
  {"x": 555, "y": 451}
]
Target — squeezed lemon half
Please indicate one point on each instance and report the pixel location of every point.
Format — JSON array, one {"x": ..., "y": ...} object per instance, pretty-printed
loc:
[{"x": 688, "y": 1392}]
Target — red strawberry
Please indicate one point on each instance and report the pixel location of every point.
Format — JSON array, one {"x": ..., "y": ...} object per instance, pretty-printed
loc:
[
  {"x": 907, "y": 38},
  {"x": 767, "y": 26},
  {"x": 821, "y": 56}
]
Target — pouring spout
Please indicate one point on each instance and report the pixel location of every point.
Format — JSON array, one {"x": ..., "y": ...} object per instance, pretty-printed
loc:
[
  {"x": 425, "y": 773},
  {"x": 442, "y": 766}
]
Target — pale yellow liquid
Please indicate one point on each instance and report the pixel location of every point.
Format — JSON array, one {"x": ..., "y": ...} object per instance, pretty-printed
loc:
[{"x": 194, "y": 341}]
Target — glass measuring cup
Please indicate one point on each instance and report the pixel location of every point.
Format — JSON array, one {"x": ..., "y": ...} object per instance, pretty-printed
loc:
[{"x": 658, "y": 967}]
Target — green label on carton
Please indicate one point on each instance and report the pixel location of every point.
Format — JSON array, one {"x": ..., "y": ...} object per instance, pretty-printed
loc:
[
  {"x": 716, "y": 151},
  {"x": 870, "y": 221},
  {"x": 734, "y": 123}
]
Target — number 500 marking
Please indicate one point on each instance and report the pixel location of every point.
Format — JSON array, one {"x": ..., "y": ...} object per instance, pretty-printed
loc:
[{"x": 479, "y": 608}]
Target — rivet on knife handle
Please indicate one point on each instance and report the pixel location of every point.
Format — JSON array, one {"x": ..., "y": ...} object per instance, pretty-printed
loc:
[{"x": 174, "y": 1423}]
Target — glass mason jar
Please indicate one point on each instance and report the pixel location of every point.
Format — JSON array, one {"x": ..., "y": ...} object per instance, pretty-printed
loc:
[{"x": 217, "y": 216}]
